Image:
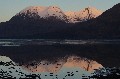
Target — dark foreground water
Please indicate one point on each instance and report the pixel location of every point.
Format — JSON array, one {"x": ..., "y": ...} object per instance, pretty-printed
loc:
[{"x": 105, "y": 52}]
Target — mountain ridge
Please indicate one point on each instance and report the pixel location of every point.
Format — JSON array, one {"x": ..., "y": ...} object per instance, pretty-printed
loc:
[
  {"x": 55, "y": 11},
  {"x": 105, "y": 26},
  {"x": 83, "y": 15}
]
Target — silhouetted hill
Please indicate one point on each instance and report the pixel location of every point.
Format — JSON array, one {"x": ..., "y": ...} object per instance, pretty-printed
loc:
[{"x": 18, "y": 27}]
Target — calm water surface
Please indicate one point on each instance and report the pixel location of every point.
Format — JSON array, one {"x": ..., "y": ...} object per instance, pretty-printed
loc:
[{"x": 106, "y": 52}]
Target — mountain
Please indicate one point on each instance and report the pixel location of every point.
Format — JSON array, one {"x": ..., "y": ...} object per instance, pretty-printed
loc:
[
  {"x": 83, "y": 15},
  {"x": 52, "y": 22},
  {"x": 42, "y": 12},
  {"x": 105, "y": 26},
  {"x": 33, "y": 20},
  {"x": 38, "y": 12},
  {"x": 39, "y": 22}
]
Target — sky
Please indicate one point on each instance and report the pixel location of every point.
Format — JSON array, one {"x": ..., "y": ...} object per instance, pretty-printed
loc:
[{"x": 9, "y": 8}]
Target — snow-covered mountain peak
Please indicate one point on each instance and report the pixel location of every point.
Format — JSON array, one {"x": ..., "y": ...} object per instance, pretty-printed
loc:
[
  {"x": 83, "y": 15},
  {"x": 43, "y": 12},
  {"x": 92, "y": 10},
  {"x": 55, "y": 11},
  {"x": 54, "y": 7},
  {"x": 33, "y": 9}
]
